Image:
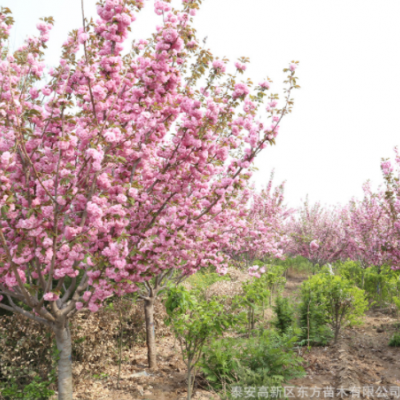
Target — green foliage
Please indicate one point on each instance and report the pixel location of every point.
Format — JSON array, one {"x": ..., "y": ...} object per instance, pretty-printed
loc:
[
  {"x": 266, "y": 360},
  {"x": 337, "y": 300},
  {"x": 284, "y": 315},
  {"x": 194, "y": 322},
  {"x": 37, "y": 389},
  {"x": 381, "y": 284},
  {"x": 396, "y": 301},
  {"x": 273, "y": 277},
  {"x": 203, "y": 279},
  {"x": 395, "y": 340},
  {"x": 313, "y": 319},
  {"x": 294, "y": 264},
  {"x": 257, "y": 294},
  {"x": 254, "y": 300}
]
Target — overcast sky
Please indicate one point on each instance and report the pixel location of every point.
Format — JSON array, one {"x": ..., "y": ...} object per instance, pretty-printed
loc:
[{"x": 347, "y": 113}]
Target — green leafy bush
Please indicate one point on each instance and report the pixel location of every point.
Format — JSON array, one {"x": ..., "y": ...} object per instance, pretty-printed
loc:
[
  {"x": 313, "y": 320},
  {"x": 336, "y": 301},
  {"x": 284, "y": 315},
  {"x": 275, "y": 281},
  {"x": 257, "y": 294},
  {"x": 194, "y": 323},
  {"x": 265, "y": 360},
  {"x": 37, "y": 389},
  {"x": 395, "y": 340},
  {"x": 33, "y": 387},
  {"x": 293, "y": 265},
  {"x": 203, "y": 279},
  {"x": 381, "y": 284},
  {"x": 27, "y": 359},
  {"x": 252, "y": 302}
]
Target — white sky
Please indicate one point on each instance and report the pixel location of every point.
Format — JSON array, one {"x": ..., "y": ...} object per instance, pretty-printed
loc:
[{"x": 347, "y": 113}]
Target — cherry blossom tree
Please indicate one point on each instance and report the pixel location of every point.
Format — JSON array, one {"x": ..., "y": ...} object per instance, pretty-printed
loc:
[
  {"x": 260, "y": 234},
  {"x": 119, "y": 169},
  {"x": 368, "y": 230},
  {"x": 391, "y": 173},
  {"x": 316, "y": 233}
]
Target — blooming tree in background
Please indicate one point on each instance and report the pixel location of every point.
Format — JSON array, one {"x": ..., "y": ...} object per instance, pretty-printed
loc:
[
  {"x": 120, "y": 168},
  {"x": 368, "y": 230},
  {"x": 316, "y": 233},
  {"x": 260, "y": 234},
  {"x": 391, "y": 174}
]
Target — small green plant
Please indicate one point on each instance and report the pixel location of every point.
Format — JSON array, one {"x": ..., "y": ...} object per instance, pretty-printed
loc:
[
  {"x": 294, "y": 265},
  {"x": 395, "y": 340},
  {"x": 381, "y": 284},
  {"x": 100, "y": 377},
  {"x": 194, "y": 323},
  {"x": 36, "y": 390},
  {"x": 312, "y": 320},
  {"x": 203, "y": 279},
  {"x": 253, "y": 300},
  {"x": 275, "y": 281},
  {"x": 339, "y": 302},
  {"x": 284, "y": 315},
  {"x": 265, "y": 360},
  {"x": 257, "y": 295}
]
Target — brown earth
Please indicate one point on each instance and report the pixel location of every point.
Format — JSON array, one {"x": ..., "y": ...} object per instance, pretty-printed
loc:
[{"x": 361, "y": 359}]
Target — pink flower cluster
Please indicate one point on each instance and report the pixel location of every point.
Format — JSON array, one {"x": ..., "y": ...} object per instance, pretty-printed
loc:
[{"x": 124, "y": 171}]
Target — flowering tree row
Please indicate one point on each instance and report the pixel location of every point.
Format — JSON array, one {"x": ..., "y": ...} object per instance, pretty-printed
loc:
[{"x": 365, "y": 230}]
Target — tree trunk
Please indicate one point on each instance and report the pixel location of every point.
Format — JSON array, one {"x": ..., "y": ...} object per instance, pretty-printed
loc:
[
  {"x": 63, "y": 340},
  {"x": 189, "y": 387},
  {"x": 150, "y": 333},
  {"x": 337, "y": 330}
]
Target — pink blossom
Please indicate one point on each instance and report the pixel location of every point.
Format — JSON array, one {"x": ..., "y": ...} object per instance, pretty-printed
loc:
[
  {"x": 219, "y": 66},
  {"x": 51, "y": 296},
  {"x": 240, "y": 89},
  {"x": 240, "y": 67},
  {"x": 93, "y": 307},
  {"x": 86, "y": 295},
  {"x": 83, "y": 37},
  {"x": 314, "y": 245},
  {"x": 273, "y": 103},
  {"x": 170, "y": 35}
]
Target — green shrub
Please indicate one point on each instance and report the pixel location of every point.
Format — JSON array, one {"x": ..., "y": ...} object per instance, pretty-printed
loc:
[
  {"x": 284, "y": 315},
  {"x": 275, "y": 281},
  {"x": 27, "y": 359},
  {"x": 257, "y": 294},
  {"x": 291, "y": 264},
  {"x": 313, "y": 319},
  {"x": 252, "y": 302},
  {"x": 194, "y": 323},
  {"x": 395, "y": 340},
  {"x": 33, "y": 387},
  {"x": 265, "y": 360},
  {"x": 337, "y": 300},
  {"x": 37, "y": 389},
  {"x": 203, "y": 279},
  {"x": 381, "y": 284}
]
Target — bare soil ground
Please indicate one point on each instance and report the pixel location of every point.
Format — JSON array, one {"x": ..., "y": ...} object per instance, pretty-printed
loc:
[{"x": 361, "y": 359}]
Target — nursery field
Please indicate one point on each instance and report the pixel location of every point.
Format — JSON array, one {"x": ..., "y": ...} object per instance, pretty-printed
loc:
[
  {"x": 361, "y": 359},
  {"x": 110, "y": 353}
]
